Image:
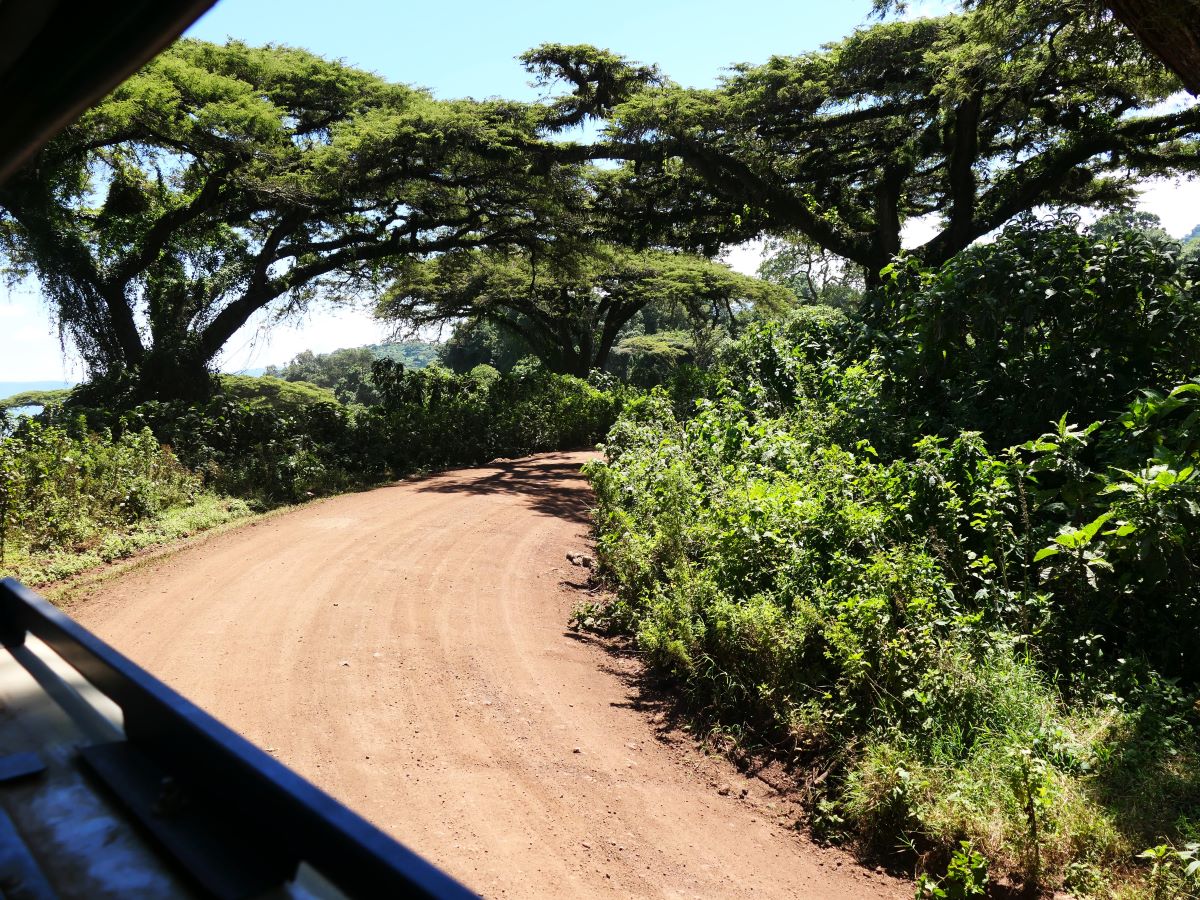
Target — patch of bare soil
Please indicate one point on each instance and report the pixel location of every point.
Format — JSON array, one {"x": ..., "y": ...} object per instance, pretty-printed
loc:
[{"x": 406, "y": 649}]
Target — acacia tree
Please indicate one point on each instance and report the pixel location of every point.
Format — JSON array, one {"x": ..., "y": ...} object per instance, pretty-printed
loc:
[
  {"x": 222, "y": 181},
  {"x": 972, "y": 119},
  {"x": 569, "y": 308},
  {"x": 1170, "y": 29},
  {"x": 812, "y": 272}
]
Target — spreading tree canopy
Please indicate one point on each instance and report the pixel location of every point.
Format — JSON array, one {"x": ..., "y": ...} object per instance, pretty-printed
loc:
[
  {"x": 1170, "y": 29},
  {"x": 972, "y": 119},
  {"x": 569, "y": 308},
  {"x": 221, "y": 181}
]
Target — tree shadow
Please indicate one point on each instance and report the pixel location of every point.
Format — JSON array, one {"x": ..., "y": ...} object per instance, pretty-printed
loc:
[
  {"x": 552, "y": 487},
  {"x": 646, "y": 690},
  {"x": 1150, "y": 782},
  {"x": 661, "y": 698},
  {"x": 791, "y": 779}
]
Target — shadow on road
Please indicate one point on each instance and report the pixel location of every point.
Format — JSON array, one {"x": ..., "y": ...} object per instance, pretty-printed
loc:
[
  {"x": 660, "y": 698},
  {"x": 647, "y": 690},
  {"x": 551, "y": 487}
]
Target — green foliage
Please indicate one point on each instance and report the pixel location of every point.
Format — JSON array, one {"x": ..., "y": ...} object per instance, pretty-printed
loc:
[
  {"x": 649, "y": 359},
  {"x": 1044, "y": 320},
  {"x": 275, "y": 394},
  {"x": 432, "y": 417},
  {"x": 966, "y": 877},
  {"x": 222, "y": 181},
  {"x": 569, "y": 307},
  {"x": 205, "y": 511},
  {"x": 1191, "y": 245},
  {"x": 965, "y": 641},
  {"x": 977, "y": 117},
  {"x": 271, "y": 441},
  {"x": 65, "y": 487},
  {"x": 1174, "y": 872},
  {"x": 267, "y": 441},
  {"x": 481, "y": 343},
  {"x": 35, "y": 398},
  {"x": 413, "y": 354},
  {"x": 814, "y": 274},
  {"x": 347, "y": 372}
]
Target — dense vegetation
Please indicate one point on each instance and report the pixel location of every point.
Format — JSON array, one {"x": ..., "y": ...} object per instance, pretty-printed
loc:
[
  {"x": 850, "y": 553},
  {"x": 570, "y": 309},
  {"x": 347, "y": 372},
  {"x": 86, "y": 485},
  {"x": 71, "y": 497}
]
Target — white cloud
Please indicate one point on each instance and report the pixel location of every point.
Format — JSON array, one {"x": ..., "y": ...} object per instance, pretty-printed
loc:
[
  {"x": 1175, "y": 201},
  {"x": 744, "y": 258},
  {"x": 1177, "y": 102},
  {"x": 29, "y": 347},
  {"x": 919, "y": 230}
]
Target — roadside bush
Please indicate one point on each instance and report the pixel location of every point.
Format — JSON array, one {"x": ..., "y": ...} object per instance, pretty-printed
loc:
[
  {"x": 68, "y": 487},
  {"x": 431, "y": 417},
  {"x": 1045, "y": 320},
  {"x": 958, "y": 642},
  {"x": 271, "y": 441},
  {"x": 251, "y": 448}
]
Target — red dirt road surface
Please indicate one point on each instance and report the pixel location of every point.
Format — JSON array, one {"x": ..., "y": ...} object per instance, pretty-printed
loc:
[{"x": 406, "y": 649}]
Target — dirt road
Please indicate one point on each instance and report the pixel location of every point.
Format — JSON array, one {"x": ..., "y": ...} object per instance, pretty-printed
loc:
[{"x": 405, "y": 649}]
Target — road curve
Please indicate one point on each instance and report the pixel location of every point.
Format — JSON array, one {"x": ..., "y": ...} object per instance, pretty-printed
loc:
[{"x": 405, "y": 649}]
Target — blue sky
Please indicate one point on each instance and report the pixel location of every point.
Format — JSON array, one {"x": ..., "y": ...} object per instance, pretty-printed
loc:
[
  {"x": 456, "y": 48},
  {"x": 468, "y": 48}
]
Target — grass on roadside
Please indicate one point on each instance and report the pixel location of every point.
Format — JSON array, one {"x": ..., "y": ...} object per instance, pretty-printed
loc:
[{"x": 205, "y": 512}]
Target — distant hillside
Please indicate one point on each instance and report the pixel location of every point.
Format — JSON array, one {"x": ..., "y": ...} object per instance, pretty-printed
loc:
[
  {"x": 347, "y": 372},
  {"x": 414, "y": 354}
]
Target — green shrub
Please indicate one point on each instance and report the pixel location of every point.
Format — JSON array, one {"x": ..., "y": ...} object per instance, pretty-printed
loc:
[
  {"x": 966, "y": 644},
  {"x": 1045, "y": 320},
  {"x": 68, "y": 487},
  {"x": 431, "y": 417}
]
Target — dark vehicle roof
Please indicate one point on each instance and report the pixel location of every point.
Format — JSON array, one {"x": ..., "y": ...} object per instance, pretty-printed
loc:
[{"x": 57, "y": 57}]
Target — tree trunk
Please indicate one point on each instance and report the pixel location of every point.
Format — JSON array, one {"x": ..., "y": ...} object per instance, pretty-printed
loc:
[
  {"x": 886, "y": 239},
  {"x": 174, "y": 374},
  {"x": 963, "y": 153},
  {"x": 1170, "y": 29}
]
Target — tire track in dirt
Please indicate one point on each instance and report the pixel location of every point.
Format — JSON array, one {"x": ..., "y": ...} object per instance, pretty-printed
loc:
[{"x": 404, "y": 648}]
